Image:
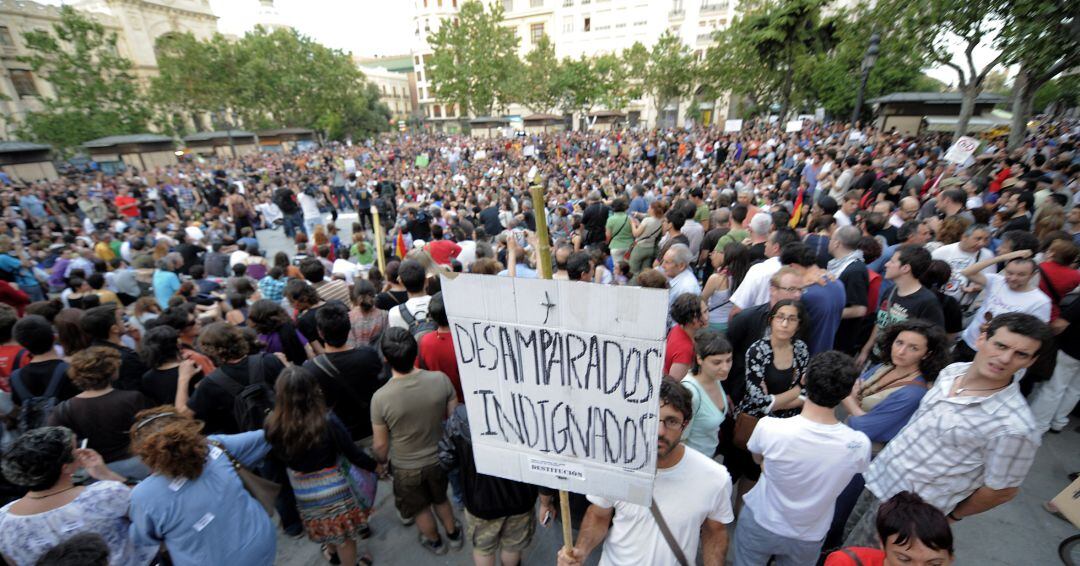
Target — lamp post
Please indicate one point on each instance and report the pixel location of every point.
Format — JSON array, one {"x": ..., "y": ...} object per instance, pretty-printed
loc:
[
  {"x": 232, "y": 146},
  {"x": 867, "y": 64}
]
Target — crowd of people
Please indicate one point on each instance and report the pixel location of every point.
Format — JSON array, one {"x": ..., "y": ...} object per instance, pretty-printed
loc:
[{"x": 866, "y": 343}]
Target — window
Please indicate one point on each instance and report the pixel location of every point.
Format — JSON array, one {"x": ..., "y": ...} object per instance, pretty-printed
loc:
[
  {"x": 436, "y": 112},
  {"x": 588, "y": 25},
  {"x": 5, "y": 37},
  {"x": 24, "y": 83},
  {"x": 536, "y": 3},
  {"x": 508, "y": 5},
  {"x": 568, "y": 24},
  {"x": 440, "y": 3},
  {"x": 420, "y": 76},
  {"x": 568, "y": 3},
  {"x": 416, "y": 58},
  {"x": 536, "y": 31},
  {"x": 449, "y": 111}
]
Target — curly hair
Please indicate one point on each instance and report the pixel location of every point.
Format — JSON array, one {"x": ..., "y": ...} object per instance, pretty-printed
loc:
[
  {"x": 160, "y": 345},
  {"x": 829, "y": 378},
  {"x": 686, "y": 308},
  {"x": 36, "y": 459},
  {"x": 298, "y": 420},
  {"x": 267, "y": 316},
  {"x": 223, "y": 342},
  {"x": 937, "y": 347},
  {"x": 169, "y": 443},
  {"x": 94, "y": 368}
]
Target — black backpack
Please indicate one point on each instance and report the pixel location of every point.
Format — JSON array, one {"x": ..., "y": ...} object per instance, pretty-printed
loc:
[
  {"x": 252, "y": 401},
  {"x": 35, "y": 410},
  {"x": 417, "y": 327}
]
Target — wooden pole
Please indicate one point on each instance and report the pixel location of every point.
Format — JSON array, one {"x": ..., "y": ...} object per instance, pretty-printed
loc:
[
  {"x": 380, "y": 251},
  {"x": 543, "y": 244}
]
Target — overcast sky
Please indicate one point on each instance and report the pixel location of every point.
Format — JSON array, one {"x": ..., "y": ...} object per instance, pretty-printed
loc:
[{"x": 370, "y": 28}]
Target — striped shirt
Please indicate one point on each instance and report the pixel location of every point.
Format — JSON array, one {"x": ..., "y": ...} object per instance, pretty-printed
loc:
[
  {"x": 952, "y": 446},
  {"x": 333, "y": 290}
]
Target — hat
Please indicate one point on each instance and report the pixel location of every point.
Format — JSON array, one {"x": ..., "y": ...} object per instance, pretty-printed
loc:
[
  {"x": 952, "y": 182},
  {"x": 418, "y": 244}
]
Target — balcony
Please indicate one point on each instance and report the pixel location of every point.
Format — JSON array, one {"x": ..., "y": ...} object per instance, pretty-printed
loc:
[
  {"x": 677, "y": 14},
  {"x": 706, "y": 37},
  {"x": 714, "y": 8}
]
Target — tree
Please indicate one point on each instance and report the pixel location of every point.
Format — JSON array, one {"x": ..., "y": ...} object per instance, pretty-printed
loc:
[
  {"x": 760, "y": 54},
  {"x": 268, "y": 79},
  {"x": 95, "y": 93},
  {"x": 668, "y": 74},
  {"x": 1043, "y": 38},
  {"x": 538, "y": 79},
  {"x": 937, "y": 25},
  {"x": 475, "y": 59},
  {"x": 1060, "y": 93},
  {"x": 577, "y": 85}
]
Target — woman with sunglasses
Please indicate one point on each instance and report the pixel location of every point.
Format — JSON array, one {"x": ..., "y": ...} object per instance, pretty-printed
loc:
[{"x": 194, "y": 501}]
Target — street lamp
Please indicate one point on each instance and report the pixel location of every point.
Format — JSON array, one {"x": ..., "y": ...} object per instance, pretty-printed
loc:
[{"x": 867, "y": 64}]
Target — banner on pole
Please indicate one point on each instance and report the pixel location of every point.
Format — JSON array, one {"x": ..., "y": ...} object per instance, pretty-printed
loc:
[{"x": 561, "y": 380}]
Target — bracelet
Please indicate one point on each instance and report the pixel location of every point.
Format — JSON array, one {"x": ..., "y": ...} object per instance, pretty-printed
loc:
[{"x": 953, "y": 517}]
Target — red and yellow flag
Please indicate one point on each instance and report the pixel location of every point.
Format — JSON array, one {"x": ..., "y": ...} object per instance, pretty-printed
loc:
[
  {"x": 796, "y": 214},
  {"x": 399, "y": 245}
]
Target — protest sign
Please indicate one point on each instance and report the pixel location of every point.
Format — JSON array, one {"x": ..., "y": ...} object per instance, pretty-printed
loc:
[
  {"x": 732, "y": 126},
  {"x": 350, "y": 165},
  {"x": 422, "y": 160},
  {"x": 794, "y": 126},
  {"x": 961, "y": 150},
  {"x": 561, "y": 380}
]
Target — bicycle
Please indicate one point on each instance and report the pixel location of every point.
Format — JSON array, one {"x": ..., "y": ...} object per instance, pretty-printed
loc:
[{"x": 1069, "y": 550}]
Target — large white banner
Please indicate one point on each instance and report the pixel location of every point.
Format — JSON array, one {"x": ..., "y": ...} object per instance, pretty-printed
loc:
[{"x": 561, "y": 380}]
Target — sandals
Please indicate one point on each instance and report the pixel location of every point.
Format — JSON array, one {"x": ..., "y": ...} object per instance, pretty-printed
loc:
[{"x": 329, "y": 555}]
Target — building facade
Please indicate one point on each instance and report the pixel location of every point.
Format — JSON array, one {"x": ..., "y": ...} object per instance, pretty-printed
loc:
[
  {"x": 395, "y": 90},
  {"x": 589, "y": 28},
  {"x": 137, "y": 23}
]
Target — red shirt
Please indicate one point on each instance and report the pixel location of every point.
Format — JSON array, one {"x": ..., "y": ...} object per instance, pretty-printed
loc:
[
  {"x": 437, "y": 354},
  {"x": 680, "y": 348},
  {"x": 10, "y": 360},
  {"x": 15, "y": 297},
  {"x": 1063, "y": 278},
  {"x": 868, "y": 557},
  {"x": 442, "y": 251},
  {"x": 127, "y": 206}
]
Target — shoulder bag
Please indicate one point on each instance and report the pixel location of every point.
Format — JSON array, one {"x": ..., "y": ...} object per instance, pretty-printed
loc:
[
  {"x": 263, "y": 490},
  {"x": 668, "y": 537}
]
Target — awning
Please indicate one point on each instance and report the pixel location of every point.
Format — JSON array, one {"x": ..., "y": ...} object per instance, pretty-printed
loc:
[{"x": 975, "y": 124}]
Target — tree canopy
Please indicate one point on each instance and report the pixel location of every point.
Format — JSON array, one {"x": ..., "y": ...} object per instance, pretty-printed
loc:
[
  {"x": 475, "y": 62},
  {"x": 95, "y": 92}
]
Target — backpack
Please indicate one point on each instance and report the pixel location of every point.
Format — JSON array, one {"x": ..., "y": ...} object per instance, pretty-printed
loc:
[
  {"x": 35, "y": 411},
  {"x": 252, "y": 401},
  {"x": 417, "y": 327}
]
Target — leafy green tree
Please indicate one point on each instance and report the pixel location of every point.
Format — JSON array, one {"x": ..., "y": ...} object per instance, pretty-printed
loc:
[
  {"x": 474, "y": 63},
  {"x": 1062, "y": 92},
  {"x": 194, "y": 77},
  {"x": 576, "y": 83},
  {"x": 540, "y": 90},
  {"x": 95, "y": 93},
  {"x": 669, "y": 73},
  {"x": 938, "y": 27},
  {"x": 1043, "y": 38}
]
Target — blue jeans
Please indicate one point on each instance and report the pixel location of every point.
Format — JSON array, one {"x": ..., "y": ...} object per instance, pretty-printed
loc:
[
  {"x": 311, "y": 223},
  {"x": 131, "y": 468},
  {"x": 292, "y": 223},
  {"x": 754, "y": 545}
]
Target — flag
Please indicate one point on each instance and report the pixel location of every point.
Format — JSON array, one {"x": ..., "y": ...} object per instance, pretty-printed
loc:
[
  {"x": 399, "y": 245},
  {"x": 796, "y": 214}
]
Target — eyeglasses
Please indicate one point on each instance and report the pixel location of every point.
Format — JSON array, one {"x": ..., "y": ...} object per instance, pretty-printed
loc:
[
  {"x": 672, "y": 422},
  {"x": 793, "y": 319},
  {"x": 798, "y": 290}
]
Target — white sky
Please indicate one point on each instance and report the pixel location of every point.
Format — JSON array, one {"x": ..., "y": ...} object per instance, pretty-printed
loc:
[{"x": 369, "y": 28}]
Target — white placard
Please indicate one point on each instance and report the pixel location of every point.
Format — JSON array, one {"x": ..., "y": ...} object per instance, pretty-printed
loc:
[
  {"x": 732, "y": 126},
  {"x": 961, "y": 150},
  {"x": 561, "y": 380},
  {"x": 794, "y": 126},
  {"x": 350, "y": 165}
]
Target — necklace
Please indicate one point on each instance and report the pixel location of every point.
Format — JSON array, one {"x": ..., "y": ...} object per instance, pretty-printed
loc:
[
  {"x": 53, "y": 493},
  {"x": 962, "y": 390}
]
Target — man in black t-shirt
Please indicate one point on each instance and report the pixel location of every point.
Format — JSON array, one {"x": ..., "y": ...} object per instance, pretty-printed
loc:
[
  {"x": 908, "y": 298},
  {"x": 292, "y": 219},
  {"x": 490, "y": 218},
  {"x": 594, "y": 220},
  {"x": 348, "y": 376},
  {"x": 36, "y": 335},
  {"x": 105, "y": 326}
]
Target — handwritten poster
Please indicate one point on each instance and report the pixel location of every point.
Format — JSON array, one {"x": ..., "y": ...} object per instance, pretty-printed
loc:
[{"x": 561, "y": 380}]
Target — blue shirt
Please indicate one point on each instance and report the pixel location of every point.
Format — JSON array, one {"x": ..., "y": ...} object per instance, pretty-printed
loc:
[
  {"x": 211, "y": 519},
  {"x": 878, "y": 265},
  {"x": 886, "y": 419},
  {"x": 824, "y": 304},
  {"x": 166, "y": 284},
  {"x": 639, "y": 204},
  {"x": 521, "y": 270},
  {"x": 23, "y": 277}
]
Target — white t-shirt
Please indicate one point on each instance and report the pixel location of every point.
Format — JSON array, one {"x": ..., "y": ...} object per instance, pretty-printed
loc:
[
  {"x": 807, "y": 465},
  {"x": 309, "y": 205},
  {"x": 468, "y": 254},
  {"x": 958, "y": 261},
  {"x": 754, "y": 289},
  {"x": 417, "y": 307},
  {"x": 695, "y": 489},
  {"x": 841, "y": 219},
  {"x": 998, "y": 298}
]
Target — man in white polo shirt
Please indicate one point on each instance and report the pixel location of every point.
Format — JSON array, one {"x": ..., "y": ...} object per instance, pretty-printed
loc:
[{"x": 782, "y": 518}]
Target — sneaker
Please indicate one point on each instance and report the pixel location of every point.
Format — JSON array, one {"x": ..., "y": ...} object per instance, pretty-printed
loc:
[
  {"x": 458, "y": 540},
  {"x": 408, "y": 522},
  {"x": 435, "y": 547}
]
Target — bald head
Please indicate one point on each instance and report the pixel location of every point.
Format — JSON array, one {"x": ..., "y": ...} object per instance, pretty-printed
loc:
[{"x": 909, "y": 207}]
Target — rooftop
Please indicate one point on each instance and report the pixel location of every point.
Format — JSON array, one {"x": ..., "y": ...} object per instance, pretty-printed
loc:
[
  {"x": 133, "y": 138},
  {"x": 935, "y": 98},
  {"x": 17, "y": 146},
  {"x": 220, "y": 134}
]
